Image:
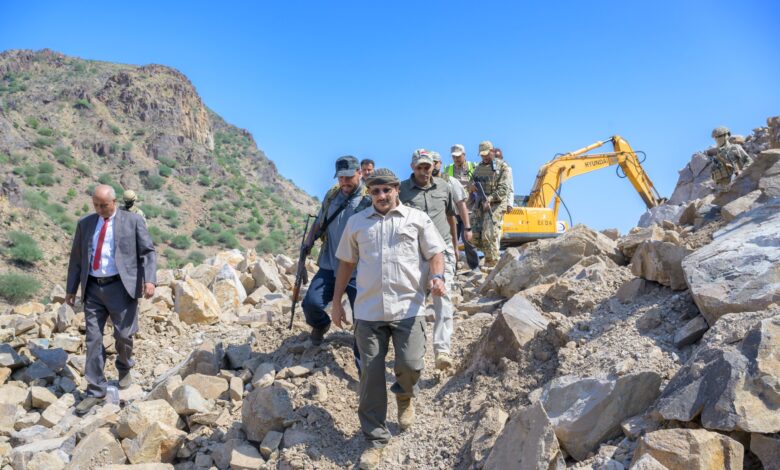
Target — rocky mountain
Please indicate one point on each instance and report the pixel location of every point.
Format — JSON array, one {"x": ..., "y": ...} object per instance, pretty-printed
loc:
[
  {"x": 68, "y": 124},
  {"x": 657, "y": 349}
]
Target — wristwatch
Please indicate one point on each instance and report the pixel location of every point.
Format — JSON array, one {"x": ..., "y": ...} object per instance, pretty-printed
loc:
[
  {"x": 438, "y": 276},
  {"x": 468, "y": 229}
]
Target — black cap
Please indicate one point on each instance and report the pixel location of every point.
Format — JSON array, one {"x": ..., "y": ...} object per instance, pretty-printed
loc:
[{"x": 346, "y": 166}]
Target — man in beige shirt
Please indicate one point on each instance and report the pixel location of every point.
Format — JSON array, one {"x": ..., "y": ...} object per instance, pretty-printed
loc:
[{"x": 398, "y": 253}]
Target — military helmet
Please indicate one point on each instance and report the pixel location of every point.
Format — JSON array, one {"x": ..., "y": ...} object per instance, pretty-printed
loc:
[
  {"x": 129, "y": 195},
  {"x": 720, "y": 132}
]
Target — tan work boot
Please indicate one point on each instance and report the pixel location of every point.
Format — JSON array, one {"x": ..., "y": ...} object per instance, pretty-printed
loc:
[
  {"x": 371, "y": 458},
  {"x": 443, "y": 361},
  {"x": 405, "y": 412}
]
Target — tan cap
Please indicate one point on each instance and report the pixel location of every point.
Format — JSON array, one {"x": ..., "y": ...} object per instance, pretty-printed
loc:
[
  {"x": 485, "y": 147},
  {"x": 435, "y": 156},
  {"x": 129, "y": 195},
  {"x": 382, "y": 176},
  {"x": 457, "y": 150},
  {"x": 421, "y": 156}
]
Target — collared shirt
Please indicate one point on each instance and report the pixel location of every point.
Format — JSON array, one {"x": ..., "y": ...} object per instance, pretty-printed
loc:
[
  {"x": 392, "y": 253},
  {"x": 458, "y": 192},
  {"x": 107, "y": 253},
  {"x": 327, "y": 258},
  {"x": 436, "y": 200}
]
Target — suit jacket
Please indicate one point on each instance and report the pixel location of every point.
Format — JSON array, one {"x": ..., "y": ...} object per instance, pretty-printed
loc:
[{"x": 135, "y": 257}]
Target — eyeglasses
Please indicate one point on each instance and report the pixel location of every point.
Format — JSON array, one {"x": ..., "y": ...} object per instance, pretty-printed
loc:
[{"x": 378, "y": 191}]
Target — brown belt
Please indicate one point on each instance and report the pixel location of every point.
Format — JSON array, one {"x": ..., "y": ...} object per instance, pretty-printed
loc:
[{"x": 102, "y": 281}]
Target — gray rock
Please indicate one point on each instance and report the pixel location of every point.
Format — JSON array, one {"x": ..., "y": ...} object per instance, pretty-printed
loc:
[
  {"x": 527, "y": 442},
  {"x": 737, "y": 272},
  {"x": 694, "y": 182},
  {"x": 65, "y": 318},
  {"x": 10, "y": 358},
  {"x": 186, "y": 400},
  {"x": 489, "y": 427},
  {"x": 547, "y": 258},
  {"x": 691, "y": 332},
  {"x": 659, "y": 214},
  {"x": 660, "y": 262},
  {"x": 53, "y": 414},
  {"x": 729, "y": 385},
  {"x": 97, "y": 449},
  {"x": 55, "y": 359},
  {"x": 265, "y": 409},
  {"x": 628, "y": 292},
  {"x": 587, "y": 411},
  {"x": 647, "y": 462},
  {"x": 237, "y": 355},
  {"x": 767, "y": 449},
  {"x": 35, "y": 371},
  {"x": 62, "y": 446},
  {"x": 271, "y": 443},
  {"x": 266, "y": 274},
  {"x": 731, "y": 210},
  {"x": 515, "y": 326}
]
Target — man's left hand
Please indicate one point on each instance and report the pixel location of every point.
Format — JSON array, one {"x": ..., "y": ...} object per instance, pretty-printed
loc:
[
  {"x": 467, "y": 236},
  {"x": 437, "y": 287},
  {"x": 148, "y": 290}
]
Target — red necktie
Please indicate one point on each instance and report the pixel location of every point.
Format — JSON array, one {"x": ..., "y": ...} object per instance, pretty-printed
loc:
[{"x": 99, "y": 249}]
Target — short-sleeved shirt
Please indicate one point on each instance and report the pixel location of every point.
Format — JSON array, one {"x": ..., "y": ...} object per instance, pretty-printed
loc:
[
  {"x": 357, "y": 202},
  {"x": 392, "y": 253},
  {"x": 436, "y": 200},
  {"x": 458, "y": 192}
]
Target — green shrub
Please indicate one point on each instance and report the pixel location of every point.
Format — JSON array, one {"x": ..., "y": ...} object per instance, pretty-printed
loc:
[
  {"x": 172, "y": 259},
  {"x": 181, "y": 242},
  {"x": 114, "y": 129},
  {"x": 82, "y": 103},
  {"x": 5, "y": 158},
  {"x": 204, "y": 237},
  {"x": 43, "y": 142},
  {"x": 214, "y": 228},
  {"x": 196, "y": 257},
  {"x": 83, "y": 169},
  {"x": 227, "y": 239},
  {"x": 44, "y": 179},
  {"x": 151, "y": 211},
  {"x": 164, "y": 171},
  {"x": 69, "y": 195},
  {"x": 154, "y": 182},
  {"x": 267, "y": 245},
  {"x": 17, "y": 287},
  {"x": 23, "y": 248},
  {"x": 173, "y": 199},
  {"x": 62, "y": 154},
  {"x": 169, "y": 214},
  {"x": 159, "y": 236},
  {"x": 45, "y": 167},
  {"x": 139, "y": 132},
  {"x": 46, "y": 131},
  {"x": 31, "y": 122},
  {"x": 169, "y": 162},
  {"x": 113, "y": 148},
  {"x": 204, "y": 180}
]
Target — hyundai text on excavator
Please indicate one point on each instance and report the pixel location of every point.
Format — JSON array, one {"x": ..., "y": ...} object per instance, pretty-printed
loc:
[{"x": 535, "y": 219}]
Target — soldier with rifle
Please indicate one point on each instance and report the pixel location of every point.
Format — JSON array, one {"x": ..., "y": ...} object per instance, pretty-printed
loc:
[
  {"x": 490, "y": 183},
  {"x": 340, "y": 203}
]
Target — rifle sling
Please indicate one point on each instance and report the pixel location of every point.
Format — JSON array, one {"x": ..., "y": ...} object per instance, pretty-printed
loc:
[{"x": 330, "y": 219}]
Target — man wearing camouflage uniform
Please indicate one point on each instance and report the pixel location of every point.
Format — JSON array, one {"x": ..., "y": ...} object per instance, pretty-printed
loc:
[
  {"x": 730, "y": 160},
  {"x": 130, "y": 197},
  {"x": 488, "y": 215}
]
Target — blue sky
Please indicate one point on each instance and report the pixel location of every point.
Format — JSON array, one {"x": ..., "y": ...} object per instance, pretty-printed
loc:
[{"x": 316, "y": 80}]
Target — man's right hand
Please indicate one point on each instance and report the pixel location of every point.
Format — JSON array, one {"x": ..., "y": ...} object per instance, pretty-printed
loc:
[
  {"x": 337, "y": 314},
  {"x": 70, "y": 299}
]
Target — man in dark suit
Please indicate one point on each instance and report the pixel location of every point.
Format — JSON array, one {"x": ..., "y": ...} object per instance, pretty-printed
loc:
[{"x": 114, "y": 262}]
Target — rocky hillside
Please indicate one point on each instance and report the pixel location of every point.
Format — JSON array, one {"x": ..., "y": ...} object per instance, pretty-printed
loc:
[
  {"x": 68, "y": 124},
  {"x": 655, "y": 350}
]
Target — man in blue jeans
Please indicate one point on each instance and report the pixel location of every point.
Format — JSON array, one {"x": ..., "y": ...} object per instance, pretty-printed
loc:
[{"x": 339, "y": 204}]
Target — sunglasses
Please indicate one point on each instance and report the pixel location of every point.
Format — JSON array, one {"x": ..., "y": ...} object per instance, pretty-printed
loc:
[{"x": 378, "y": 191}]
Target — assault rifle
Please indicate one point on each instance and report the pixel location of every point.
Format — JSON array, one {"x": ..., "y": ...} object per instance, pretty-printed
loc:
[
  {"x": 301, "y": 275},
  {"x": 481, "y": 196}
]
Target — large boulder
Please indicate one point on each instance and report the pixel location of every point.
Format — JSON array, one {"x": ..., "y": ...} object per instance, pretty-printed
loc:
[
  {"x": 527, "y": 442},
  {"x": 140, "y": 414},
  {"x": 659, "y": 214},
  {"x": 489, "y": 427},
  {"x": 767, "y": 449},
  {"x": 738, "y": 271},
  {"x": 517, "y": 323},
  {"x": 266, "y": 274},
  {"x": 546, "y": 259},
  {"x": 157, "y": 443},
  {"x": 97, "y": 449},
  {"x": 749, "y": 201},
  {"x": 265, "y": 409},
  {"x": 694, "y": 182},
  {"x": 691, "y": 449},
  {"x": 195, "y": 304},
  {"x": 730, "y": 383},
  {"x": 660, "y": 262},
  {"x": 228, "y": 288},
  {"x": 587, "y": 411}
]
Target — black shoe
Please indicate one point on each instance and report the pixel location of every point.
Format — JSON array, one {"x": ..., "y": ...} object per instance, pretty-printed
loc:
[
  {"x": 126, "y": 380},
  {"x": 317, "y": 334},
  {"x": 87, "y": 404}
]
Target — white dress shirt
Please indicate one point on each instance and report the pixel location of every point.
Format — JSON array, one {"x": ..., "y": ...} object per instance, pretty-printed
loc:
[{"x": 107, "y": 253}]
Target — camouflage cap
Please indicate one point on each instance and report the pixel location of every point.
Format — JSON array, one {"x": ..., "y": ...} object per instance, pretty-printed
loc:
[
  {"x": 435, "y": 156},
  {"x": 421, "y": 156},
  {"x": 346, "y": 166},
  {"x": 485, "y": 147},
  {"x": 383, "y": 176},
  {"x": 129, "y": 195},
  {"x": 457, "y": 150},
  {"x": 720, "y": 131}
]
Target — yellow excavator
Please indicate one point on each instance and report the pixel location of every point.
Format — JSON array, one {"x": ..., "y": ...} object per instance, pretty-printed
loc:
[{"x": 534, "y": 218}]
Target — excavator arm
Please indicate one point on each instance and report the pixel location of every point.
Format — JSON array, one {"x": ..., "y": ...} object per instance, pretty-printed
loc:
[{"x": 551, "y": 175}]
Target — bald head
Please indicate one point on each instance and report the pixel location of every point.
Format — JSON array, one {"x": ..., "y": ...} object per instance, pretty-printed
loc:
[{"x": 104, "y": 200}]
